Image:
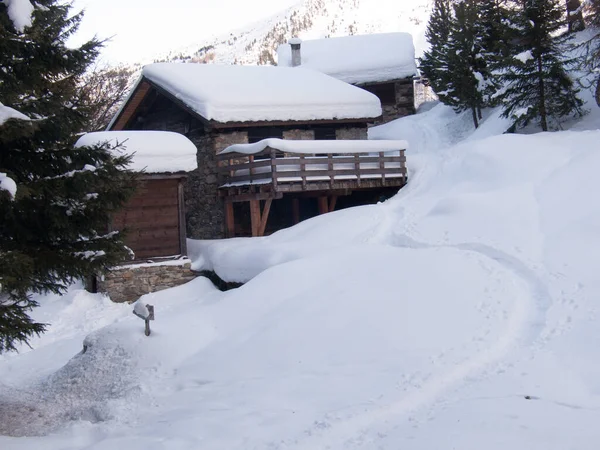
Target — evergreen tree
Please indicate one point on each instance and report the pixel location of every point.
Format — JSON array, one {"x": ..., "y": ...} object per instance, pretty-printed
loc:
[
  {"x": 496, "y": 36},
  {"x": 494, "y": 26},
  {"x": 55, "y": 229},
  {"x": 467, "y": 62},
  {"x": 434, "y": 64},
  {"x": 537, "y": 84},
  {"x": 591, "y": 56}
]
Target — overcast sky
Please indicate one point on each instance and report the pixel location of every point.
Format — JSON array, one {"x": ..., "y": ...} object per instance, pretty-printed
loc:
[{"x": 143, "y": 28}]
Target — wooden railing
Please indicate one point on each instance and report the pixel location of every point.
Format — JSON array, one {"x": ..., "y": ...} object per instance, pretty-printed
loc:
[{"x": 274, "y": 167}]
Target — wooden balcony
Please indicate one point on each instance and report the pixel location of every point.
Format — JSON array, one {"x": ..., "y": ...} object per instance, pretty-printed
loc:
[{"x": 271, "y": 173}]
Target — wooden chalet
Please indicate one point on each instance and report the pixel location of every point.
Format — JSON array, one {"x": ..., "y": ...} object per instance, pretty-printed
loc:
[
  {"x": 154, "y": 218},
  {"x": 217, "y": 107},
  {"x": 383, "y": 64}
]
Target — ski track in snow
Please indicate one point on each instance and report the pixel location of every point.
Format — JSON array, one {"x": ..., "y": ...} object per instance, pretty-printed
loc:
[{"x": 524, "y": 327}]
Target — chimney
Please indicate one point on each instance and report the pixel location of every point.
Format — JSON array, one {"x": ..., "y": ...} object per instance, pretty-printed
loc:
[{"x": 295, "y": 43}]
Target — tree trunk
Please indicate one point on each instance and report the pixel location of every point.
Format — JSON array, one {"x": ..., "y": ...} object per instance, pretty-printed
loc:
[
  {"x": 542, "y": 94},
  {"x": 575, "y": 16},
  {"x": 475, "y": 121},
  {"x": 598, "y": 92}
]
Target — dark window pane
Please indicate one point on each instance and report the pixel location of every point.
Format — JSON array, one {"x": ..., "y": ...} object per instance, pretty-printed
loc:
[
  {"x": 258, "y": 134},
  {"x": 325, "y": 134}
]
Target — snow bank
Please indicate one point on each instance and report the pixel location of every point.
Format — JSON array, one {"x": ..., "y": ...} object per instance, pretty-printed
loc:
[
  {"x": 19, "y": 11},
  {"x": 357, "y": 59},
  {"x": 7, "y": 113},
  {"x": 153, "y": 151},
  {"x": 317, "y": 147},
  {"x": 462, "y": 313},
  {"x": 260, "y": 93}
]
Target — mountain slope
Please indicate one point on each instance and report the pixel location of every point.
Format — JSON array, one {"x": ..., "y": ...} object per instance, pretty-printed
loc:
[{"x": 308, "y": 19}]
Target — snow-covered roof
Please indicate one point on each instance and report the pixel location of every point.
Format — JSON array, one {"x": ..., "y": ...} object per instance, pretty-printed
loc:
[
  {"x": 357, "y": 59},
  {"x": 153, "y": 151},
  {"x": 318, "y": 146},
  {"x": 261, "y": 93}
]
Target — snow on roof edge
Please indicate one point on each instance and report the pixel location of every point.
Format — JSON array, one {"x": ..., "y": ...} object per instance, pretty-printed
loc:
[
  {"x": 232, "y": 93},
  {"x": 153, "y": 151},
  {"x": 318, "y": 146}
]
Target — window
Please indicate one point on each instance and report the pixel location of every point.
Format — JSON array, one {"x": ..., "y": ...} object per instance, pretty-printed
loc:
[
  {"x": 258, "y": 134},
  {"x": 385, "y": 91},
  {"x": 325, "y": 134}
]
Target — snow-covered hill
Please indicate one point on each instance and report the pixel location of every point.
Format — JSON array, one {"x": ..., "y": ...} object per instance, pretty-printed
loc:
[
  {"x": 462, "y": 313},
  {"x": 309, "y": 19}
]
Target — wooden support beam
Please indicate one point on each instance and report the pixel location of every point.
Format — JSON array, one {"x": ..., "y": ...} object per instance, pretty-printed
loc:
[
  {"x": 332, "y": 202},
  {"x": 323, "y": 206},
  {"x": 255, "y": 216},
  {"x": 296, "y": 210},
  {"x": 264, "y": 217},
  {"x": 229, "y": 220},
  {"x": 233, "y": 198}
]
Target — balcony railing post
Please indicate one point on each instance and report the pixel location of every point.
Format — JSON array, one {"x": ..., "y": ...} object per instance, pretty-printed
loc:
[
  {"x": 274, "y": 168},
  {"x": 303, "y": 171},
  {"x": 251, "y": 164},
  {"x": 382, "y": 166}
]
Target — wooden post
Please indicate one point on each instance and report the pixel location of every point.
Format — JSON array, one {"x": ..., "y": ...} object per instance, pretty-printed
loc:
[
  {"x": 251, "y": 165},
  {"x": 323, "y": 206},
  {"x": 229, "y": 219},
  {"x": 330, "y": 168},
  {"x": 255, "y": 216},
  {"x": 274, "y": 169},
  {"x": 296, "y": 210},
  {"x": 265, "y": 216},
  {"x": 382, "y": 166},
  {"x": 303, "y": 169},
  {"x": 332, "y": 202},
  {"x": 357, "y": 168},
  {"x": 145, "y": 317}
]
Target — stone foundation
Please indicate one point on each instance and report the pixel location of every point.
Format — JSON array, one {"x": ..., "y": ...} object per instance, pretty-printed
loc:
[{"x": 128, "y": 283}]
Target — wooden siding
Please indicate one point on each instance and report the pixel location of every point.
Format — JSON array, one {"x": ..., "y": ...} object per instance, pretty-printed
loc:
[
  {"x": 151, "y": 219},
  {"x": 131, "y": 106}
]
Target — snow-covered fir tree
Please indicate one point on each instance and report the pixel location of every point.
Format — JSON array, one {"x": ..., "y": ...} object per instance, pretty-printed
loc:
[
  {"x": 591, "y": 56},
  {"x": 55, "y": 201},
  {"x": 434, "y": 64},
  {"x": 537, "y": 85},
  {"x": 467, "y": 61},
  {"x": 496, "y": 36}
]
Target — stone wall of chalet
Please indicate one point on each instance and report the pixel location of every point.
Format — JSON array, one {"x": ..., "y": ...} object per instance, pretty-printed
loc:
[
  {"x": 351, "y": 133},
  {"x": 405, "y": 102},
  {"x": 204, "y": 208}
]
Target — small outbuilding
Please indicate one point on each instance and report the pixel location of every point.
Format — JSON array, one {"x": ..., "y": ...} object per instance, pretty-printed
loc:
[
  {"x": 383, "y": 64},
  {"x": 154, "y": 218}
]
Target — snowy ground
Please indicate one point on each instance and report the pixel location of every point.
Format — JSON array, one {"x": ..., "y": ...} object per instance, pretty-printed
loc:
[{"x": 462, "y": 313}]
